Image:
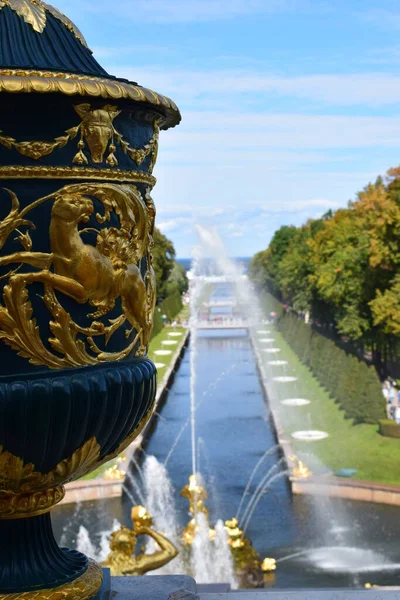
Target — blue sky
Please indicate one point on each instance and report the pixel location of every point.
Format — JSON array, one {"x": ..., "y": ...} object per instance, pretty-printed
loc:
[{"x": 289, "y": 106}]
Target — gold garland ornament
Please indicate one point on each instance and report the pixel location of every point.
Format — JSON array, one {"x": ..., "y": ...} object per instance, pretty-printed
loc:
[
  {"x": 98, "y": 131},
  {"x": 83, "y": 588},
  {"x": 34, "y": 12}
]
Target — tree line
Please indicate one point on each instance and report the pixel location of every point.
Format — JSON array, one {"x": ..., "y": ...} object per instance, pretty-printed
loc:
[
  {"x": 342, "y": 271},
  {"x": 171, "y": 279}
]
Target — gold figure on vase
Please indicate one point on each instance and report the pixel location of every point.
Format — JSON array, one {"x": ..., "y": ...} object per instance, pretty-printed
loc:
[
  {"x": 122, "y": 559},
  {"x": 97, "y": 275}
]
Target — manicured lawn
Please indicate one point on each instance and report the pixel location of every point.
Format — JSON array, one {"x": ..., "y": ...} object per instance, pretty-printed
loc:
[
  {"x": 375, "y": 457},
  {"x": 157, "y": 344}
]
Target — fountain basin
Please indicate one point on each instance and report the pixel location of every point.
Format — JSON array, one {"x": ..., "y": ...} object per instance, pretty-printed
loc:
[
  {"x": 310, "y": 435},
  {"x": 295, "y": 402},
  {"x": 344, "y": 559},
  {"x": 277, "y": 363}
]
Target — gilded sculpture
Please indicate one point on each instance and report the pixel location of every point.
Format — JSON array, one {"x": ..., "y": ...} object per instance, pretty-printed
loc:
[
  {"x": 98, "y": 131},
  {"x": 300, "y": 469},
  {"x": 96, "y": 275},
  {"x": 246, "y": 561},
  {"x": 196, "y": 494},
  {"x": 122, "y": 559}
]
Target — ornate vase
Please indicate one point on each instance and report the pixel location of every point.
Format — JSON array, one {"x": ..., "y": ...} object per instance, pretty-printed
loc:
[{"x": 77, "y": 285}]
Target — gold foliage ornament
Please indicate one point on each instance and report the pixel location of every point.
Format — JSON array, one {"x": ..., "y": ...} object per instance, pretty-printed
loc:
[
  {"x": 34, "y": 13},
  {"x": 96, "y": 275},
  {"x": 98, "y": 131},
  {"x": 37, "y": 149},
  {"x": 26, "y": 492}
]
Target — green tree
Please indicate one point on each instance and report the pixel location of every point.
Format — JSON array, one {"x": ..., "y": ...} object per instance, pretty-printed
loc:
[
  {"x": 177, "y": 280},
  {"x": 163, "y": 255},
  {"x": 264, "y": 267}
]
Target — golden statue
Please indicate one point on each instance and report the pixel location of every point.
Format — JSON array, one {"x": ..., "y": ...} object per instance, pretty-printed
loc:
[
  {"x": 196, "y": 494},
  {"x": 300, "y": 470},
  {"x": 248, "y": 565},
  {"x": 268, "y": 565},
  {"x": 122, "y": 559},
  {"x": 114, "y": 473}
]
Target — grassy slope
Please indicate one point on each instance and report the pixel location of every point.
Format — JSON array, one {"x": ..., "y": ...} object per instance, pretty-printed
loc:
[
  {"x": 355, "y": 446},
  {"x": 156, "y": 344}
]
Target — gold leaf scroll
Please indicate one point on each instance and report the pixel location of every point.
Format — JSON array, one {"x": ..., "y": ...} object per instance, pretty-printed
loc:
[
  {"x": 17, "y": 476},
  {"x": 33, "y": 13}
]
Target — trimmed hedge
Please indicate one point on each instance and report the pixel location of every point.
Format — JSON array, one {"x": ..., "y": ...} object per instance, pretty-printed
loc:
[
  {"x": 352, "y": 383},
  {"x": 171, "y": 306},
  {"x": 389, "y": 428}
]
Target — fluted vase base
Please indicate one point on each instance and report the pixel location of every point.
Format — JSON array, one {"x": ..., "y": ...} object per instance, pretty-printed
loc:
[
  {"x": 83, "y": 588},
  {"x": 32, "y": 565}
]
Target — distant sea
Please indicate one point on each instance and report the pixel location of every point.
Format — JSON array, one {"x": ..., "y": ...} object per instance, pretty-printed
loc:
[{"x": 208, "y": 264}]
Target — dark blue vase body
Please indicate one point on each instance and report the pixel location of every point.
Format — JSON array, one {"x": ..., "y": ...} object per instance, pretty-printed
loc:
[{"x": 77, "y": 283}]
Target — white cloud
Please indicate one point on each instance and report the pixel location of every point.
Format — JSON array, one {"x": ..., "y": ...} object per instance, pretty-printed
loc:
[
  {"x": 277, "y": 141},
  {"x": 173, "y": 224},
  {"x": 354, "y": 89}
]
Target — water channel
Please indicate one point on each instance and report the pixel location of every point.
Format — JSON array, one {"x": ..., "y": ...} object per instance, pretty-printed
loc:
[{"x": 334, "y": 542}]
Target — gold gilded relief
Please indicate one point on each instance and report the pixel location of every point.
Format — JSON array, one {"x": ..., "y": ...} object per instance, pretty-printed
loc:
[
  {"x": 27, "y": 81},
  {"x": 37, "y": 149},
  {"x": 20, "y": 506},
  {"x": 20, "y": 172},
  {"x": 83, "y": 588},
  {"x": 96, "y": 275},
  {"x": 27, "y": 492},
  {"x": 32, "y": 12},
  {"x": 98, "y": 131}
]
